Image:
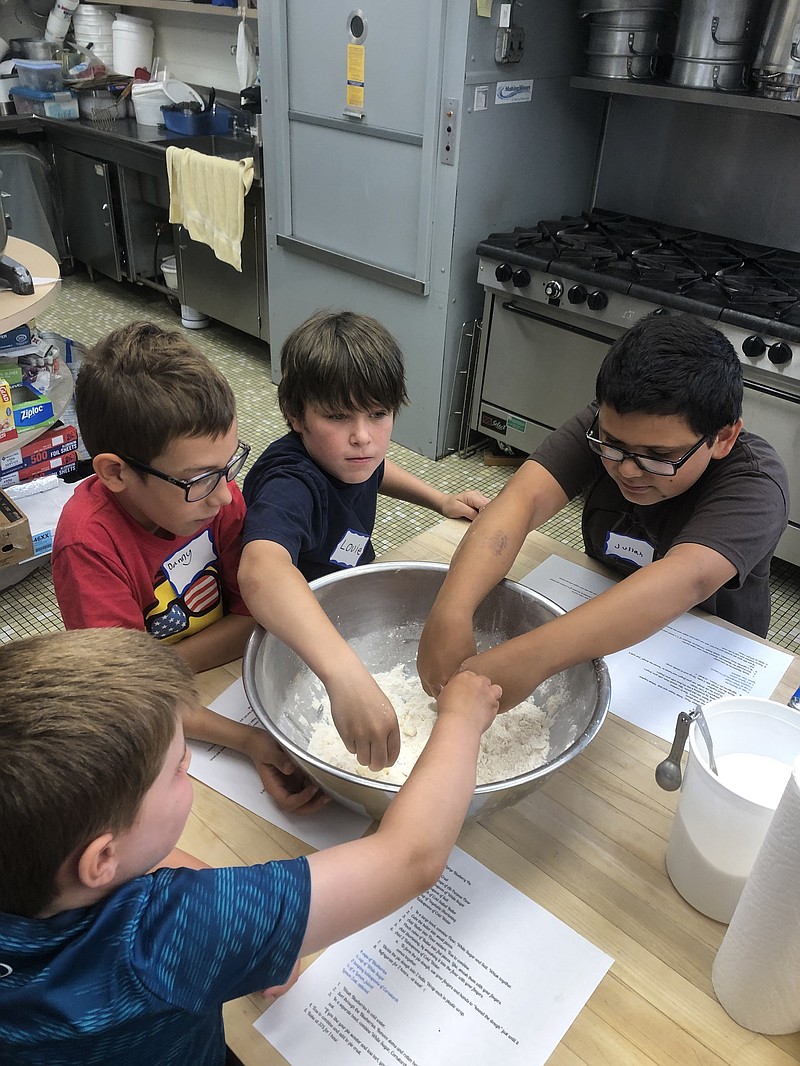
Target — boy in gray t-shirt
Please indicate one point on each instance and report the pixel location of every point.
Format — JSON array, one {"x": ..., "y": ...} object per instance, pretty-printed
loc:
[{"x": 678, "y": 497}]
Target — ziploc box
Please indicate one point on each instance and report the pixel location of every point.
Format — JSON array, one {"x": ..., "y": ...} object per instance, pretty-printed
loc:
[
  {"x": 16, "y": 544},
  {"x": 8, "y": 430},
  {"x": 32, "y": 409}
]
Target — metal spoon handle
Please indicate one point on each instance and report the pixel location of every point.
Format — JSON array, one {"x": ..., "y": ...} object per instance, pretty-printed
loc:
[
  {"x": 702, "y": 725},
  {"x": 681, "y": 733}
]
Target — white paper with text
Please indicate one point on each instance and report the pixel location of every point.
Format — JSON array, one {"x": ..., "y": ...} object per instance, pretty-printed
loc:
[
  {"x": 234, "y": 775},
  {"x": 689, "y": 661},
  {"x": 472, "y": 972}
]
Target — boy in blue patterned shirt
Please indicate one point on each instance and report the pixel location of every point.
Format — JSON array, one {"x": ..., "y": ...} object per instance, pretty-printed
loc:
[{"x": 114, "y": 946}]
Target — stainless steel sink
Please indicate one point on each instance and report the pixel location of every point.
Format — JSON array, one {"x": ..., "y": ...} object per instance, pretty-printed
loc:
[{"x": 225, "y": 146}]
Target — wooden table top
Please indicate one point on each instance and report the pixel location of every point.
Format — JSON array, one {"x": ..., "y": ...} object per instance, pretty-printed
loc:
[
  {"x": 589, "y": 847},
  {"x": 14, "y": 309}
]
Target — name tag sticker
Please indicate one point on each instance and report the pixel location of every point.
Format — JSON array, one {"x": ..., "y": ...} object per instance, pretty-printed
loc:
[
  {"x": 638, "y": 552},
  {"x": 187, "y": 562},
  {"x": 350, "y": 548}
]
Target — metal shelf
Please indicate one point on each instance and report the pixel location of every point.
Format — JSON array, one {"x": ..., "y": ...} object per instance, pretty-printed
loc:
[
  {"x": 181, "y": 6},
  {"x": 708, "y": 97}
]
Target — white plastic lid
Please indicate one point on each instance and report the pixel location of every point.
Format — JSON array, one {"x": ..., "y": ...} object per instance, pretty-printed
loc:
[
  {"x": 179, "y": 92},
  {"x": 134, "y": 19},
  {"x": 149, "y": 88}
]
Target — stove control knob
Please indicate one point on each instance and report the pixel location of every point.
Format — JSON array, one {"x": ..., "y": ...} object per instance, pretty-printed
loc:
[
  {"x": 503, "y": 272},
  {"x": 553, "y": 290},
  {"x": 779, "y": 353},
  {"x": 597, "y": 301},
  {"x": 577, "y": 294},
  {"x": 521, "y": 278},
  {"x": 753, "y": 347}
]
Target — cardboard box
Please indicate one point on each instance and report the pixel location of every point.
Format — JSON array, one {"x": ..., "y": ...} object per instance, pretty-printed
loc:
[
  {"x": 32, "y": 409},
  {"x": 16, "y": 544},
  {"x": 10, "y": 371},
  {"x": 16, "y": 338},
  {"x": 53, "y": 442},
  {"x": 62, "y": 464},
  {"x": 8, "y": 431}
]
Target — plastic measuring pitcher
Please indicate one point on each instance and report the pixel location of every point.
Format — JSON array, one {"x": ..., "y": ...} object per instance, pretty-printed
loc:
[{"x": 721, "y": 820}]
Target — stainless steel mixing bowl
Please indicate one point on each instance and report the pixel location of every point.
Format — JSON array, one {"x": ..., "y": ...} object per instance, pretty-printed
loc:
[{"x": 380, "y": 609}]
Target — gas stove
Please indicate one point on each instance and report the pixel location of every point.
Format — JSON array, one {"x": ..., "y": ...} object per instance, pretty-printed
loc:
[
  {"x": 560, "y": 292},
  {"x": 614, "y": 268}
]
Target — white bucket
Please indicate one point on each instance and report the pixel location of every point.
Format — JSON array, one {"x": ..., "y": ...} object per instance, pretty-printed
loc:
[
  {"x": 190, "y": 318},
  {"x": 169, "y": 269},
  {"x": 148, "y": 98},
  {"x": 133, "y": 47},
  {"x": 721, "y": 821}
]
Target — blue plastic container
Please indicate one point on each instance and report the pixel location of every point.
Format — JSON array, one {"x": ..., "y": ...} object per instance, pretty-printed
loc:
[{"x": 199, "y": 124}]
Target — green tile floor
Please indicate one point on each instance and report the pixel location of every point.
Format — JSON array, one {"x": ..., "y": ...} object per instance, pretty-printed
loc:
[{"x": 87, "y": 310}]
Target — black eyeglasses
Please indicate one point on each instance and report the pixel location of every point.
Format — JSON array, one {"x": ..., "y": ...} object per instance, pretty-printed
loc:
[
  {"x": 197, "y": 488},
  {"x": 648, "y": 463}
]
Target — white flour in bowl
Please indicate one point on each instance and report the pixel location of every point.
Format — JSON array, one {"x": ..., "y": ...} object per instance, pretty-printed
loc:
[{"x": 516, "y": 742}]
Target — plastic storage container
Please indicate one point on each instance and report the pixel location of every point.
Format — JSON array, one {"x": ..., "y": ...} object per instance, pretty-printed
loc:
[
  {"x": 148, "y": 98},
  {"x": 132, "y": 44},
  {"x": 43, "y": 74},
  {"x": 61, "y": 104},
  {"x": 201, "y": 124}
]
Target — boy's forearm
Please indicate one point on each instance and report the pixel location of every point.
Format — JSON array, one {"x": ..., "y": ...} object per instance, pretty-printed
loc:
[
  {"x": 217, "y": 644},
  {"x": 410, "y": 849},
  {"x": 201, "y": 723},
  {"x": 627, "y": 613},
  {"x": 399, "y": 484},
  {"x": 491, "y": 544},
  {"x": 450, "y": 755},
  {"x": 282, "y": 602}
]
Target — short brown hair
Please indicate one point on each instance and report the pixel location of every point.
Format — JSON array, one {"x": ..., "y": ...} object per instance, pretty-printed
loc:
[
  {"x": 341, "y": 361},
  {"x": 142, "y": 386},
  {"x": 86, "y": 720}
]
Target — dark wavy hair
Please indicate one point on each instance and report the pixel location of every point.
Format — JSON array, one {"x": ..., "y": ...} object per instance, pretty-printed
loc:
[{"x": 674, "y": 365}]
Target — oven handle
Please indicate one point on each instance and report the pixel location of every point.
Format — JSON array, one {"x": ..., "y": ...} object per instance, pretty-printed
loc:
[
  {"x": 770, "y": 391},
  {"x": 509, "y": 305}
]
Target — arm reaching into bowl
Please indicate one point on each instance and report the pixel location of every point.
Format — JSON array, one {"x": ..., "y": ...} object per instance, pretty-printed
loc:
[
  {"x": 482, "y": 559},
  {"x": 362, "y": 881},
  {"x": 279, "y": 597}
]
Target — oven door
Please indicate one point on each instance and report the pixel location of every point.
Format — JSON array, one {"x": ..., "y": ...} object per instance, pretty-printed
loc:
[
  {"x": 537, "y": 366},
  {"x": 773, "y": 412}
]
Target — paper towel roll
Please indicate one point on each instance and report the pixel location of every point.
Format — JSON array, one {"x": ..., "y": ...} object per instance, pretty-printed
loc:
[{"x": 756, "y": 974}]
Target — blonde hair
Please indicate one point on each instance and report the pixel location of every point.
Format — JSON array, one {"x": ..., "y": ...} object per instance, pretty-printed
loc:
[
  {"x": 142, "y": 386},
  {"x": 340, "y": 361},
  {"x": 86, "y": 720}
]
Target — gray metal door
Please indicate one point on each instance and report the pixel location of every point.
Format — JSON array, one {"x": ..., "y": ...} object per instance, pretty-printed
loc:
[
  {"x": 216, "y": 288},
  {"x": 357, "y": 134},
  {"x": 89, "y": 216}
]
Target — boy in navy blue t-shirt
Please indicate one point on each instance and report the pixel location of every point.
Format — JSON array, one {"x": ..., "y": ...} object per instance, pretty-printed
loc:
[{"x": 311, "y": 501}]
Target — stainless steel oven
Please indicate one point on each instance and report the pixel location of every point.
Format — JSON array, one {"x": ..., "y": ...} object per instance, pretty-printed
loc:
[{"x": 558, "y": 294}]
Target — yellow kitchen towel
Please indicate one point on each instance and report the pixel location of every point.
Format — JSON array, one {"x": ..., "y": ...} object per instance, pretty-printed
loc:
[{"x": 206, "y": 195}]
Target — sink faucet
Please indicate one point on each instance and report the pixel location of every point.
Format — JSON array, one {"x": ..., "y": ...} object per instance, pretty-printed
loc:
[{"x": 240, "y": 125}]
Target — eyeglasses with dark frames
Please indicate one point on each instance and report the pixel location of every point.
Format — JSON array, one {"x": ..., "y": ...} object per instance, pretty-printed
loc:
[
  {"x": 197, "y": 488},
  {"x": 649, "y": 463}
]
